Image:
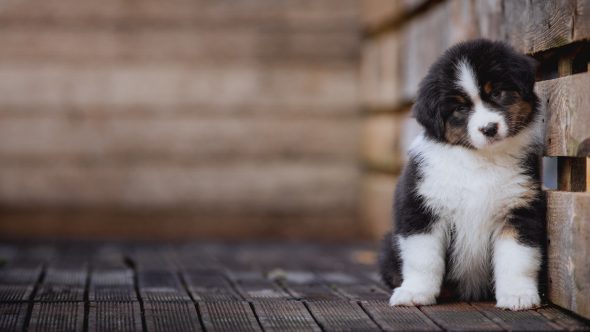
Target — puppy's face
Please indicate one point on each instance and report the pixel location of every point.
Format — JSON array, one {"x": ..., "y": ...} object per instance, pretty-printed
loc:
[{"x": 478, "y": 93}]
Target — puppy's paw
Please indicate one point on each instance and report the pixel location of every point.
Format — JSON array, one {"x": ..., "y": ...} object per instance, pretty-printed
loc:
[
  {"x": 406, "y": 297},
  {"x": 522, "y": 300}
]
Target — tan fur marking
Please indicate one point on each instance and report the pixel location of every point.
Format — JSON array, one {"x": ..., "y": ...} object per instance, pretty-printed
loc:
[
  {"x": 519, "y": 115},
  {"x": 487, "y": 88},
  {"x": 508, "y": 231}
]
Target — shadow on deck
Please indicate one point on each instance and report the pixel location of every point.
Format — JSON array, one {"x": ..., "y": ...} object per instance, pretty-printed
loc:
[{"x": 225, "y": 287}]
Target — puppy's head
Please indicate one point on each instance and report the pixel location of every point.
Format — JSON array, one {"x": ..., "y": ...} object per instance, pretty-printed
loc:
[{"x": 477, "y": 94}]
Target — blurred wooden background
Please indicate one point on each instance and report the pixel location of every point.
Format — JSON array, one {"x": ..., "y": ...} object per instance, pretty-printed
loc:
[{"x": 179, "y": 118}]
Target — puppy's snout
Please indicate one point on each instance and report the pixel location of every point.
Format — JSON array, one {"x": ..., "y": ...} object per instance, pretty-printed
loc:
[{"x": 490, "y": 130}]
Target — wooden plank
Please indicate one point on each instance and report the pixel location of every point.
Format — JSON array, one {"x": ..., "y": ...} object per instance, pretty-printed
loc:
[
  {"x": 114, "y": 316},
  {"x": 171, "y": 316},
  {"x": 113, "y": 137},
  {"x": 15, "y": 293},
  {"x": 161, "y": 286},
  {"x": 563, "y": 319},
  {"x": 534, "y": 27},
  {"x": 173, "y": 85},
  {"x": 381, "y": 141},
  {"x": 459, "y": 317},
  {"x": 209, "y": 287},
  {"x": 568, "y": 246},
  {"x": 381, "y": 73},
  {"x": 309, "y": 14},
  {"x": 20, "y": 274},
  {"x": 376, "y": 203},
  {"x": 111, "y": 285},
  {"x": 517, "y": 320},
  {"x": 247, "y": 185},
  {"x": 228, "y": 316},
  {"x": 572, "y": 174},
  {"x": 353, "y": 288},
  {"x": 565, "y": 100},
  {"x": 63, "y": 284},
  {"x": 341, "y": 316},
  {"x": 398, "y": 318},
  {"x": 180, "y": 44},
  {"x": 57, "y": 316},
  {"x": 253, "y": 286},
  {"x": 13, "y": 316},
  {"x": 284, "y": 316}
]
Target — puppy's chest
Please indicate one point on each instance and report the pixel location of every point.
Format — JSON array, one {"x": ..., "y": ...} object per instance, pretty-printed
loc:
[{"x": 460, "y": 185}]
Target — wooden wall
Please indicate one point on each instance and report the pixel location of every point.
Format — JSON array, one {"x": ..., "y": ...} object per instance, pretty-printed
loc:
[
  {"x": 160, "y": 119},
  {"x": 402, "y": 38}
]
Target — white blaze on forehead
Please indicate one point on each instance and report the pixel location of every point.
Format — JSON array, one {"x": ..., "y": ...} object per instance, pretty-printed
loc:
[
  {"x": 467, "y": 80},
  {"x": 481, "y": 115}
]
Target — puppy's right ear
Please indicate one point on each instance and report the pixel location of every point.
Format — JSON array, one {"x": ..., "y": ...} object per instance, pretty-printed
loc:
[{"x": 428, "y": 115}]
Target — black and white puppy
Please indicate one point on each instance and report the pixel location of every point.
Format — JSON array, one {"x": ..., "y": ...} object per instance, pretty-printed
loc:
[{"x": 469, "y": 208}]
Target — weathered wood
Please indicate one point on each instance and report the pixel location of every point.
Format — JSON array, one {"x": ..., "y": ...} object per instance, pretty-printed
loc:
[
  {"x": 210, "y": 286},
  {"x": 517, "y": 320},
  {"x": 228, "y": 316},
  {"x": 253, "y": 286},
  {"x": 565, "y": 100},
  {"x": 180, "y": 44},
  {"x": 161, "y": 286},
  {"x": 308, "y": 14},
  {"x": 532, "y": 27},
  {"x": 381, "y": 73},
  {"x": 353, "y": 288},
  {"x": 459, "y": 317},
  {"x": 63, "y": 284},
  {"x": 568, "y": 232},
  {"x": 381, "y": 146},
  {"x": 114, "y": 316},
  {"x": 15, "y": 293},
  {"x": 561, "y": 318},
  {"x": 376, "y": 203},
  {"x": 119, "y": 138},
  {"x": 171, "y": 316},
  {"x": 572, "y": 174},
  {"x": 13, "y": 316},
  {"x": 284, "y": 316},
  {"x": 166, "y": 86},
  {"x": 57, "y": 316},
  {"x": 398, "y": 318},
  {"x": 341, "y": 316},
  {"x": 111, "y": 285}
]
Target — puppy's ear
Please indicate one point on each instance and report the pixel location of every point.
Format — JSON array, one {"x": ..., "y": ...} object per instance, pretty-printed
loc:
[{"x": 428, "y": 115}]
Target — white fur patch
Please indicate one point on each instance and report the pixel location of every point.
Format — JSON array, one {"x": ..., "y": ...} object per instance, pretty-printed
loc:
[
  {"x": 472, "y": 191},
  {"x": 481, "y": 115},
  {"x": 423, "y": 268},
  {"x": 515, "y": 269}
]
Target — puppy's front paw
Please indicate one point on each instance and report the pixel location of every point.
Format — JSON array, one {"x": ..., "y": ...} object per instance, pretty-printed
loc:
[
  {"x": 519, "y": 300},
  {"x": 406, "y": 297}
]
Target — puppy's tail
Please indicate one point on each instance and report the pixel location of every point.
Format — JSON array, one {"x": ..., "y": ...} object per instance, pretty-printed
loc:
[{"x": 389, "y": 262}]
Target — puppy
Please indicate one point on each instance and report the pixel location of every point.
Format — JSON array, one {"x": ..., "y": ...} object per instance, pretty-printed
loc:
[{"x": 469, "y": 210}]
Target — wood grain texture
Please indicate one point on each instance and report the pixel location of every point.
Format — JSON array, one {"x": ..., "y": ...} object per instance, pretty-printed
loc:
[
  {"x": 228, "y": 316},
  {"x": 51, "y": 316},
  {"x": 565, "y": 100},
  {"x": 114, "y": 316},
  {"x": 517, "y": 320},
  {"x": 171, "y": 316},
  {"x": 537, "y": 26},
  {"x": 381, "y": 143},
  {"x": 340, "y": 316},
  {"x": 459, "y": 317},
  {"x": 568, "y": 246},
  {"x": 399, "y": 318},
  {"x": 285, "y": 316}
]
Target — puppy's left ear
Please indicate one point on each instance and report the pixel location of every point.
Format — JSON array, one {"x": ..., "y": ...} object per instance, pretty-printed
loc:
[{"x": 428, "y": 115}]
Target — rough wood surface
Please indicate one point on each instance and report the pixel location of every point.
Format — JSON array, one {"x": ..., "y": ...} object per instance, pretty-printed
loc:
[
  {"x": 566, "y": 101},
  {"x": 318, "y": 288},
  {"x": 568, "y": 230},
  {"x": 537, "y": 26}
]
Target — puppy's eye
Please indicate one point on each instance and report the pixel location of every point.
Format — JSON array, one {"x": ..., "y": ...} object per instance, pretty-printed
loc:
[
  {"x": 459, "y": 112},
  {"x": 498, "y": 94}
]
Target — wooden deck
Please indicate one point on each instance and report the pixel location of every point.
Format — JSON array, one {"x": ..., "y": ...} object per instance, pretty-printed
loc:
[{"x": 225, "y": 287}]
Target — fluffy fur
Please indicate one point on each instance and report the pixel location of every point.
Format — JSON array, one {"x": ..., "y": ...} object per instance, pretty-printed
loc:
[{"x": 468, "y": 206}]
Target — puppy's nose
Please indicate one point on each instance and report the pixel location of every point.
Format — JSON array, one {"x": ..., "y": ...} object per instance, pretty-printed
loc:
[{"x": 490, "y": 130}]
